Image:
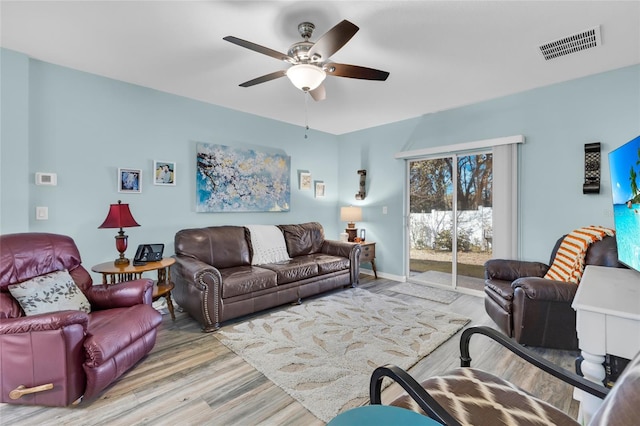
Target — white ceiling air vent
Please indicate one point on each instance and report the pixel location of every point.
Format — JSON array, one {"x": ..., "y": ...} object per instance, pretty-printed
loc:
[{"x": 571, "y": 44}]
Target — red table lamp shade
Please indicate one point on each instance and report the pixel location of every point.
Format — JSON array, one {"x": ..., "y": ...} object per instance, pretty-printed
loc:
[{"x": 120, "y": 216}]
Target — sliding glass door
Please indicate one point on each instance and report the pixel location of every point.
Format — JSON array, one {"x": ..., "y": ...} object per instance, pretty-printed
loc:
[{"x": 450, "y": 196}]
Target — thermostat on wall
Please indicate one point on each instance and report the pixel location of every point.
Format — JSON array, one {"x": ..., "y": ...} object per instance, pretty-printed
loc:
[{"x": 46, "y": 179}]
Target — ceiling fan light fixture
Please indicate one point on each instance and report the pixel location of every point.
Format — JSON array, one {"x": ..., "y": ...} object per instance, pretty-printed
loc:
[{"x": 306, "y": 77}]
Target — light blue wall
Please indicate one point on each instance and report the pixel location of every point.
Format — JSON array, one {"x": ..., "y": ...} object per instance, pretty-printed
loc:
[
  {"x": 373, "y": 150},
  {"x": 83, "y": 127},
  {"x": 556, "y": 120},
  {"x": 14, "y": 138}
]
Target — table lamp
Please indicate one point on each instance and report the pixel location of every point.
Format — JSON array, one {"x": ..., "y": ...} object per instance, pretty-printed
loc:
[
  {"x": 119, "y": 216},
  {"x": 350, "y": 215}
]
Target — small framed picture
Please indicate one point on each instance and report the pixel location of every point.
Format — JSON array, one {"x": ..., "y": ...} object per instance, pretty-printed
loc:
[
  {"x": 320, "y": 188},
  {"x": 164, "y": 173},
  {"x": 130, "y": 180},
  {"x": 305, "y": 181}
]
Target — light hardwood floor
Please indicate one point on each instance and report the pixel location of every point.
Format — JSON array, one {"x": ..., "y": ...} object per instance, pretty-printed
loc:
[{"x": 190, "y": 378}]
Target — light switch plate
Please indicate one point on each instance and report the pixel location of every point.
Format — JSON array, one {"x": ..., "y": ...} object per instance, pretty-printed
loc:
[{"x": 42, "y": 213}]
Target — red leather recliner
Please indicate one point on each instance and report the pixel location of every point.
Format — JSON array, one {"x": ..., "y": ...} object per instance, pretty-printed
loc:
[{"x": 79, "y": 354}]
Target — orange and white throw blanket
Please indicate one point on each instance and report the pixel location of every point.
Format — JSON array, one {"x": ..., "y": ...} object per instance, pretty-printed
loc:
[{"x": 568, "y": 264}]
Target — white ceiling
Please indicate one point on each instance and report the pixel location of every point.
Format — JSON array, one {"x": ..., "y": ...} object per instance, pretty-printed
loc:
[{"x": 440, "y": 54}]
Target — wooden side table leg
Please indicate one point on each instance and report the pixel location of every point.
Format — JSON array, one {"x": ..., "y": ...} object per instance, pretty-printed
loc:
[
  {"x": 164, "y": 279},
  {"x": 170, "y": 305},
  {"x": 373, "y": 266}
]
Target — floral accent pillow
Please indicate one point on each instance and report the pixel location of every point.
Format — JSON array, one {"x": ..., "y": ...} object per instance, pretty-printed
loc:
[{"x": 55, "y": 291}]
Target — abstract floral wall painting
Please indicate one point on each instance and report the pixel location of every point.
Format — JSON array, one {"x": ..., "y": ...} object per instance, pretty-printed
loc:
[{"x": 230, "y": 179}]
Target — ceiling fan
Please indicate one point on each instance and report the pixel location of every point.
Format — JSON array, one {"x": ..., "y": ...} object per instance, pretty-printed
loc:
[{"x": 310, "y": 62}]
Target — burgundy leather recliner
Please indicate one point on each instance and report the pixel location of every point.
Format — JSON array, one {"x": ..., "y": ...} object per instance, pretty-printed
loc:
[
  {"x": 79, "y": 354},
  {"x": 537, "y": 311}
]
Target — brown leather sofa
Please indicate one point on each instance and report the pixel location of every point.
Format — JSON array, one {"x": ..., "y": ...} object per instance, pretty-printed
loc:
[
  {"x": 537, "y": 311},
  {"x": 77, "y": 354},
  {"x": 215, "y": 280}
]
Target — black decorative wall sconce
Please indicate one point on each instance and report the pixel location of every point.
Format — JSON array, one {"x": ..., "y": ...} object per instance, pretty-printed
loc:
[
  {"x": 363, "y": 178},
  {"x": 591, "y": 168}
]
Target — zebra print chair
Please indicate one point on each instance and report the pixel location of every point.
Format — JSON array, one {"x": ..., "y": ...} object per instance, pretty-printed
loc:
[{"x": 468, "y": 396}]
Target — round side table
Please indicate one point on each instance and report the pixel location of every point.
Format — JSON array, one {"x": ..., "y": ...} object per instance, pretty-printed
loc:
[{"x": 113, "y": 274}]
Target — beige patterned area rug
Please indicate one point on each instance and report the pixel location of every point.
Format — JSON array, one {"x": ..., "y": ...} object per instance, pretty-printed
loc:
[{"x": 323, "y": 352}]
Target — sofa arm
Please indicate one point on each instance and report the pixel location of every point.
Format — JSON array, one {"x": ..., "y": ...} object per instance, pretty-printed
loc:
[
  {"x": 348, "y": 250},
  {"x": 511, "y": 270},
  {"x": 121, "y": 295},
  {"x": 198, "y": 290},
  {"x": 546, "y": 290},
  {"x": 194, "y": 269},
  {"x": 44, "y": 354},
  {"x": 542, "y": 313},
  {"x": 337, "y": 248},
  {"x": 44, "y": 322}
]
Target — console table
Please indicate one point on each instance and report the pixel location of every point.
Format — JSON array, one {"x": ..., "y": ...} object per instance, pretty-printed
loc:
[{"x": 607, "y": 306}]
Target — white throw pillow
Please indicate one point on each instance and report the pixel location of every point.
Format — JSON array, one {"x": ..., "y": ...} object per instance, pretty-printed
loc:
[
  {"x": 55, "y": 291},
  {"x": 268, "y": 244}
]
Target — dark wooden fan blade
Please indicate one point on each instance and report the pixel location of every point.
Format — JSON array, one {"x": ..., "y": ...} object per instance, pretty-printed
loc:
[
  {"x": 264, "y": 78},
  {"x": 260, "y": 49},
  {"x": 354, "y": 71},
  {"x": 333, "y": 40},
  {"x": 319, "y": 93}
]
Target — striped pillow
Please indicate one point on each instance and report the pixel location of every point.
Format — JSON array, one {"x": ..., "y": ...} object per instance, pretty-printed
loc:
[{"x": 568, "y": 263}]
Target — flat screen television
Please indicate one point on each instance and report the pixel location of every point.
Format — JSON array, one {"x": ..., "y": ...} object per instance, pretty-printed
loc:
[{"x": 624, "y": 167}]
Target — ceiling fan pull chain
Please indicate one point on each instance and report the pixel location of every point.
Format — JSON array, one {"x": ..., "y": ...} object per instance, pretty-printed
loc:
[{"x": 306, "y": 114}]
